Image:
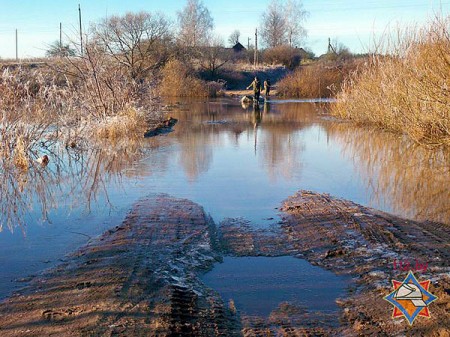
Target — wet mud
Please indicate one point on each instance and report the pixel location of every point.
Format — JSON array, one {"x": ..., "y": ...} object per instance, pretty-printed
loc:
[
  {"x": 142, "y": 278},
  {"x": 348, "y": 238},
  {"x": 138, "y": 279}
]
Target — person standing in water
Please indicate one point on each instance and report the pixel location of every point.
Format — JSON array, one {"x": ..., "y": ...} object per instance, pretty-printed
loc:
[
  {"x": 256, "y": 88},
  {"x": 267, "y": 87}
]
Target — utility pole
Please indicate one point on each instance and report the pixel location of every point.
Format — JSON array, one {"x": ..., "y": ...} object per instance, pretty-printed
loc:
[
  {"x": 330, "y": 47},
  {"x": 248, "y": 43},
  {"x": 81, "y": 30},
  {"x": 60, "y": 36},
  {"x": 17, "y": 47},
  {"x": 255, "y": 59}
]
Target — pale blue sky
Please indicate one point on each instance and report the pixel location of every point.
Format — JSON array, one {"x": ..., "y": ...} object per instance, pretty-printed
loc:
[{"x": 353, "y": 23}]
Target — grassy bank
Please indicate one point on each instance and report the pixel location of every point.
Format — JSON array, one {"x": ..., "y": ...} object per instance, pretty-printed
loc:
[{"x": 406, "y": 88}]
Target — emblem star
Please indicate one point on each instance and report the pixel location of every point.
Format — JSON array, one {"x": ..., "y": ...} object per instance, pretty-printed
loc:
[{"x": 410, "y": 298}]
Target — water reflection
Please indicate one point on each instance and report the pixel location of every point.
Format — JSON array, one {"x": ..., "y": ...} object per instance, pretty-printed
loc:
[
  {"x": 258, "y": 285},
  {"x": 272, "y": 128},
  {"x": 196, "y": 155},
  {"x": 275, "y": 142},
  {"x": 76, "y": 176},
  {"x": 410, "y": 179},
  {"x": 398, "y": 175}
]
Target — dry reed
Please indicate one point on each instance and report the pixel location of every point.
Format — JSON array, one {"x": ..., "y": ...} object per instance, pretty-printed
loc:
[
  {"x": 316, "y": 80},
  {"x": 405, "y": 87},
  {"x": 126, "y": 123},
  {"x": 180, "y": 81}
]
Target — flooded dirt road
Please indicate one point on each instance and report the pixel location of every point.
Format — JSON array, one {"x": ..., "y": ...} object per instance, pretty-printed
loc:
[
  {"x": 239, "y": 165},
  {"x": 137, "y": 279},
  {"x": 144, "y": 277}
]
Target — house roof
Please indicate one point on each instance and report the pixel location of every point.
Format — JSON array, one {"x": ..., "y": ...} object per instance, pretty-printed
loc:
[{"x": 238, "y": 47}]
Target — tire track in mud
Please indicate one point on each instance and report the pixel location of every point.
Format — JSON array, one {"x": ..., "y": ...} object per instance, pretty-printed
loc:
[
  {"x": 127, "y": 300},
  {"x": 139, "y": 279},
  {"x": 348, "y": 238}
]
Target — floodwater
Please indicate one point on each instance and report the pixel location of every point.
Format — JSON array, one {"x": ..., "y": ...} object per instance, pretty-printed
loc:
[
  {"x": 234, "y": 161},
  {"x": 283, "y": 279}
]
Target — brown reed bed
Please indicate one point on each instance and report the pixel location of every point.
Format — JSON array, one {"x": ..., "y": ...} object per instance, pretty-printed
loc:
[
  {"x": 179, "y": 80},
  {"x": 405, "y": 85},
  {"x": 321, "y": 79}
]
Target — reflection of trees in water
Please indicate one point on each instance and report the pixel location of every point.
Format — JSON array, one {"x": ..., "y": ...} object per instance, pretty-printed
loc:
[
  {"x": 18, "y": 188},
  {"x": 281, "y": 152},
  {"x": 196, "y": 151},
  {"x": 197, "y": 134},
  {"x": 280, "y": 140},
  {"x": 75, "y": 175},
  {"x": 413, "y": 180},
  {"x": 202, "y": 126}
]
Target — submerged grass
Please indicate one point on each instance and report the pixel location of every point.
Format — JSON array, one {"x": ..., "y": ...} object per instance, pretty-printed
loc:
[
  {"x": 405, "y": 86},
  {"x": 122, "y": 125}
]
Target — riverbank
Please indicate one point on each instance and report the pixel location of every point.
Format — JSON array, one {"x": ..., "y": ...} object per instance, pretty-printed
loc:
[{"x": 143, "y": 275}]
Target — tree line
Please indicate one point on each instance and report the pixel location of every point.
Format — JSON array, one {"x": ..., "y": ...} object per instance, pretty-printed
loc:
[{"x": 144, "y": 41}]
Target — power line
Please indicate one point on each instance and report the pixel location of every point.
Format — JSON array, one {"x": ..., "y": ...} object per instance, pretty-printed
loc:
[{"x": 323, "y": 8}]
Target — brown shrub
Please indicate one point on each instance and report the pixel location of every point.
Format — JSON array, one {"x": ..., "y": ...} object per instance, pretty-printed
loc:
[
  {"x": 406, "y": 91},
  {"x": 285, "y": 55},
  {"x": 179, "y": 81}
]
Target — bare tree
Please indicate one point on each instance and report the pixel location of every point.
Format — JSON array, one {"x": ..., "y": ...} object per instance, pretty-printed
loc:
[
  {"x": 137, "y": 41},
  {"x": 282, "y": 23},
  {"x": 338, "y": 47},
  {"x": 195, "y": 24},
  {"x": 295, "y": 15},
  {"x": 56, "y": 49},
  {"x": 214, "y": 56},
  {"x": 337, "y": 50},
  {"x": 234, "y": 37},
  {"x": 273, "y": 25}
]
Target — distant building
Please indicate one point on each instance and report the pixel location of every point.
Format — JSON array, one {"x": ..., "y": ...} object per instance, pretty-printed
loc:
[
  {"x": 238, "y": 47},
  {"x": 304, "y": 54}
]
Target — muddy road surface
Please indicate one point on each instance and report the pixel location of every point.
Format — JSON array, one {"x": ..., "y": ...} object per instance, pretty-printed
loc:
[
  {"x": 142, "y": 277},
  {"x": 138, "y": 279},
  {"x": 369, "y": 245}
]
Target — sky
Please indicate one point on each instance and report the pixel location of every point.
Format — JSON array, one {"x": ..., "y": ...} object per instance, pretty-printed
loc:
[{"x": 352, "y": 23}]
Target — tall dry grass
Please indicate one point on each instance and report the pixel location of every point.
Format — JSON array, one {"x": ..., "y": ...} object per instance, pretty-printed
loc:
[
  {"x": 179, "y": 80},
  {"x": 25, "y": 115},
  {"x": 405, "y": 86},
  {"x": 81, "y": 105},
  {"x": 40, "y": 112},
  {"x": 317, "y": 80}
]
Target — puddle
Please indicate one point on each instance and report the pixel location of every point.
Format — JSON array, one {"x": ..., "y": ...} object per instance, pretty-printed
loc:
[{"x": 258, "y": 285}]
